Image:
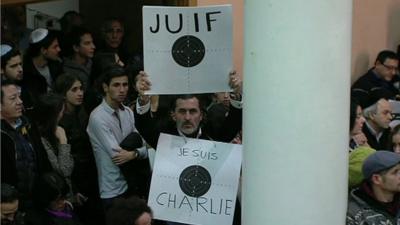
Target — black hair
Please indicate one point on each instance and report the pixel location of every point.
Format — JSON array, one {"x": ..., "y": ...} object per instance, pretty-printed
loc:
[
  {"x": 200, "y": 98},
  {"x": 74, "y": 38},
  {"x": 353, "y": 112},
  {"x": 8, "y": 193},
  {"x": 113, "y": 71},
  {"x": 35, "y": 48},
  {"x": 6, "y": 57},
  {"x": 386, "y": 54},
  {"x": 46, "y": 114},
  {"x": 127, "y": 211},
  {"x": 49, "y": 187},
  {"x": 107, "y": 23},
  {"x": 5, "y": 83},
  {"x": 101, "y": 62},
  {"x": 66, "y": 21},
  {"x": 64, "y": 82}
]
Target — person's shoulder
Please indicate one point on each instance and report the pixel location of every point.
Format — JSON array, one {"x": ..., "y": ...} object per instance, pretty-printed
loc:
[
  {"x": 5, "y": 127},
  {"x": 355, "y": 208},
  {"x": 98, "y": 114},
  {"x": 129, "y": 110},
  {"x": 365, "y": 79}
]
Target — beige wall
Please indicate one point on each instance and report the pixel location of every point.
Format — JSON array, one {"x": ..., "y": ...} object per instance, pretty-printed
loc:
[
  {"x": 376, "y": 26},
  {"x": 237, "y": 6}
]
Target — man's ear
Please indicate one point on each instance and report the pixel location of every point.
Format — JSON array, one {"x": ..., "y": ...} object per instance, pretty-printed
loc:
[
  {"x": 377, "y": 63},
  {"x": 2, "y": 71},
  {"x": 376, "y": 179},
  {"x": 75, "y": 48},
  {"x": 371, "y": 115},
  {"x": 43, "y": 51},
  {"x": 173, "y": 115},
  {"x": 105, "y": 87},
  {"x": 201, "y": 115}
]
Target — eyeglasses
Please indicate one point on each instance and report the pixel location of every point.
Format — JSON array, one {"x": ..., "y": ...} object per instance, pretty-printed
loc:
[{"x": 392, "y": 68}]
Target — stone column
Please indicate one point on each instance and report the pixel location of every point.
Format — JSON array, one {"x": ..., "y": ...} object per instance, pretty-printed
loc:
[{"x": 297, "y": 57}]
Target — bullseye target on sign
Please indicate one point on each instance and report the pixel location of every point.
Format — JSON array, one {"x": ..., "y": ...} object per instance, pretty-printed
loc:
[
  {"x": 195, "y": 181},
  {"x": 188, "y": 51}
]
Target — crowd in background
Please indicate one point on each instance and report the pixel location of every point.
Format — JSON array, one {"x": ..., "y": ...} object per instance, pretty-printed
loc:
[{"x": 76, "y": 126}]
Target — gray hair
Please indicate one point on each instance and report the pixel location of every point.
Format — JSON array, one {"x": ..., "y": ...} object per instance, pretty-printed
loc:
[{"x": 371, "y": 109}]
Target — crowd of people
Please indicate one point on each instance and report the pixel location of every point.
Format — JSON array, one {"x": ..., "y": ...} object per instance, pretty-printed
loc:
[
  {"x": 374, "y": 160},
  {"x": 76, "y": 126}
]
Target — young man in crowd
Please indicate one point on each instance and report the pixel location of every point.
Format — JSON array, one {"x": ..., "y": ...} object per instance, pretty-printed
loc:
[
  {"x": 79, "y": 53},
  {"x": 42, "y": 64},
  {"x": 11, "y": 63},
  {"x": 109, "y": 124},
  {"x": 377, "y": 200}
]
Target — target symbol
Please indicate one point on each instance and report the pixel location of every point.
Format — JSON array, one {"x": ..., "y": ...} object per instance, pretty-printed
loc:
[
  {"x": 195, "y": 181},
  {"x": 188, "y": 51}
]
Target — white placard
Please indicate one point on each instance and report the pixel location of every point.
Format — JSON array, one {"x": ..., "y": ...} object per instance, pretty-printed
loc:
[
  {"x": 187, "y": 49},
  {"x": 195, "y": 181}
]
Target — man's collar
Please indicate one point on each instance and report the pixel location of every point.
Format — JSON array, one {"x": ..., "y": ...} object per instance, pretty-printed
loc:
[
  {"x": 372, "y": 130},
  {"x": 110, "y": 109},
  {"x": 183, "y": 135}
]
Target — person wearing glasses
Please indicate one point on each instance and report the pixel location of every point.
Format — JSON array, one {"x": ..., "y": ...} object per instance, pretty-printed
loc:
[{"x": 384, "y": 74}]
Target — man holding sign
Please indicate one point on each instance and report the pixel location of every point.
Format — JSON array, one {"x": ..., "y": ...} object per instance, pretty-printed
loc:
[
  {"x": 188, "y": 113},
  {"x": 192, "y": 48},
  {"x": 188, "y": 116}
]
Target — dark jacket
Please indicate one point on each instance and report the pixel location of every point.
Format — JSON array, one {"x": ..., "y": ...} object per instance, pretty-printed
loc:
[
  {"x": 84, "y": 175},
  {"x": 35, "y": 83},
  {"x": 150, "y": 129},
  {"x": 363, "y": 88},
  {"x": 383, "y": 141},
  {"x": 18, "y": 143}
]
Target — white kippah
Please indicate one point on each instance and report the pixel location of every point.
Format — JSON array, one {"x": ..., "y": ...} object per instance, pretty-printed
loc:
[
  {"x": 38, "y": 35},
  {"x": 5, "y": 49}
]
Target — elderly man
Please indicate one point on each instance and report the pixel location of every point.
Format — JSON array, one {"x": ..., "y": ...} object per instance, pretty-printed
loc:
[
  {"x": 376, "y": 128},
  {"x": 377, "y": 200}
]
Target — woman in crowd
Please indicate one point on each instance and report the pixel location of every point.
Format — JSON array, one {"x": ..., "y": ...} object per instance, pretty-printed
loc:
[
  {"x": 357, "y": 120},
  {"x": 84, "y": 175},
  {"x": 395, "y": 139},
  {"x": 54, "y": 143}
]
